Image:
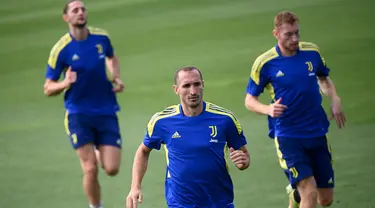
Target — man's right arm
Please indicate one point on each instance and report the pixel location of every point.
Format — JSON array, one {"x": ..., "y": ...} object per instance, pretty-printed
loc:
[
  {"x": 152, "y": 140},
  {"x": 53, "y": 88},
  {"x": 253, "y": 104},
  {"x": 257, "y": 82},
  {"x": 55, "y": 66},
  {"x": 255, "y": 87},
  {"x": 140, "y": 165}
]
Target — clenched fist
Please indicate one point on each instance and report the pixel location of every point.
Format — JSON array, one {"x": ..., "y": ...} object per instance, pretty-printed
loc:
[{"x": 276, "y": 109}]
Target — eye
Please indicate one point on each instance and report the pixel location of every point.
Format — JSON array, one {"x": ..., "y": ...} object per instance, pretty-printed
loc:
[
  {"x": 197, "y": 84},
  {"x": 186, "y": 85}
]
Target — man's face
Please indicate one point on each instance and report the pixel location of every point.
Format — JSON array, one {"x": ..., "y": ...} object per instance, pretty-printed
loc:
[
  {"x": 76, "y": 14},
  {"x": 189, "y": 88},
  {"x": 288, "y": 36}
]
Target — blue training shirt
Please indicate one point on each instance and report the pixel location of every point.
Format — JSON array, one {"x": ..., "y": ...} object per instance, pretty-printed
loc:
[
  {"x": 196, "y": 153},
  {"x": 92, "y": 93},
  {"x": 294, "y": 79}
]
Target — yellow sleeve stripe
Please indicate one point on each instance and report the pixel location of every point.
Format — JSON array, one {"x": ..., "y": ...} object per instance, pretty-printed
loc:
[
  {"x": 167, "y": 159},
  {"x": 226, "y": 156},
  {"x": 57, "y": 48},
  {"x": 307, "y": 46},
  {"x": 271, "y": 91},
  {"x": 212, "y": 108},
  {"x": 259, "y": 63},
  {"x": 168, "y": 112},
  {"x": 98, "y": 31}
]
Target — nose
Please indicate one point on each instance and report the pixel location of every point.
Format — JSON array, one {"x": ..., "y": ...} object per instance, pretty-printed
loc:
[
  {"x": 193, "y": 90},
  {"x": 80, "y": 11},
  {"x": 295, "y": 38}
]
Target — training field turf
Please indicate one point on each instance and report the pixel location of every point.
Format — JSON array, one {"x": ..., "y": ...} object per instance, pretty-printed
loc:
[{"x": 38, "y": 167}]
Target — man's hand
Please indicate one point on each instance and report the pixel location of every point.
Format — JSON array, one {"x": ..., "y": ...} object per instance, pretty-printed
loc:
[
  {"x": 134, "y": 197},
  {"x": 276, "y": 109},
  {"x": 239, "y": 158},
  {"x": 119, "y": 85},
  {"x": 336, "y": 112},
  {"x": 70, "y": 77}
]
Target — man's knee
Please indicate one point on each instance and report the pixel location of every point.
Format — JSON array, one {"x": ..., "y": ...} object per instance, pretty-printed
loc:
[
  {"x": 307, "y": 188},
  {"x": 88, "y": 160},
  {"x": 325, "y": 202},
  {"x": 111, "y": 171},
  {"x": 111, "y": 159},
  {"x": 90, "y": 170},
  {"x": 325, "y": 197}
]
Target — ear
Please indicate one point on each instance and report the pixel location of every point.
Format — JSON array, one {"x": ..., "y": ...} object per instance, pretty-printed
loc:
[
  {"x": 65, "y": 18},
  {"x": 202, "y": 84},
  {"x": 175, "y": 88},
  {"x": 275, "y": 32}
]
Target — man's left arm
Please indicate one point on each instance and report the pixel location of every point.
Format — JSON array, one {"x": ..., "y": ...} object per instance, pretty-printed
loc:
[
  {"x": 113, "y": 65},
  {"x": 240, "y": 157},
  {"x": 239, "y": 154},
  {"x": 328, "y": 88}
]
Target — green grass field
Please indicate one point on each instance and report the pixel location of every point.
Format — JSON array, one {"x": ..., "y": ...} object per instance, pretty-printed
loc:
[{"x": 38, "y": 167}]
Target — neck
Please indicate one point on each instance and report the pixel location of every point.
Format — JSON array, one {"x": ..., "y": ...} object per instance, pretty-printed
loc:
[
  {"x": 286, "y": 52},
  {"x": 188, "y": 111},
  {"x": 79, "y": 33}
]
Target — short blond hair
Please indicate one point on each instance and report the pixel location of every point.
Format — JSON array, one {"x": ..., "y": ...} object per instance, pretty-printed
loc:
[{"x": 285, "y": 17}]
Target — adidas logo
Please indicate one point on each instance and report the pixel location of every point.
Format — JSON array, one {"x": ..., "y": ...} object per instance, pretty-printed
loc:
[
  {"x": 279, "y": 74},
  {"x": 176, "y": 135},
  {"x": 75, "y": 57},
  {"x": 330, "y": 181}
]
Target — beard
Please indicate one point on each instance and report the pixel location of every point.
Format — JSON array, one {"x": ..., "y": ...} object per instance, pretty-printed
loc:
[
  {"x": 195, "y": 102},
  {"x": 194, "y": 105},
  {"x": 291, "y": 47},
  {"x": 80, "y": 25}
]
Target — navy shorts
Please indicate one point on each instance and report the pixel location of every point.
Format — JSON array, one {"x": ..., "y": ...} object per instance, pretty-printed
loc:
[
  {"x": 302, "y": 158},
  {"x": 95, "y": 129}
]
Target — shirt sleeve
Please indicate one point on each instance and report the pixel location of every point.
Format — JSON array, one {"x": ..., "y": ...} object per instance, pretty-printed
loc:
[
  {"x": 109, "y": 48},
  {"x": 235, "y": 135},
  {"x": 323, "y": 70},
  {"x": 55, "y": 64},
  {"x": 153, "y": 137},
  {"x": 258, "y": 79}
]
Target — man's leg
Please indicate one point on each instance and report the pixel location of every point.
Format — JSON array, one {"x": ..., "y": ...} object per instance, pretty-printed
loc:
[
  {"x": 323, "y": 170},
  {"x": 325, "y": 196},
  {"x": 294, "y": 197},
  {"x": 109, "y": 144},
  {"x": 110, "y": 157},
  {"x": 308, "y": 192},
  {"x": 82, "y": 138},
  {"x": 90, "y": 174},
  {"x": 296, "y": 161}
]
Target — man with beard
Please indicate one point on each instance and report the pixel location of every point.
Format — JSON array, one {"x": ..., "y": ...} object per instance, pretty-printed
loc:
[
  {"x": 90, "y": 96},
  {"x": 289, "y": 71},
  {"x": 197, "y": 137}
]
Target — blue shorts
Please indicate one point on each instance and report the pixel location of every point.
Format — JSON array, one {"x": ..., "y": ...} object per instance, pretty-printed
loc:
[
  {"x": 173, "y": 201},
  {"x": 302, "y": 158},
  {"x": 95, "y": 129},
  {"x": 271, "y": 127},
  {"x": 194, "y": 206}
]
